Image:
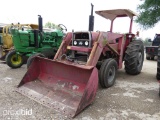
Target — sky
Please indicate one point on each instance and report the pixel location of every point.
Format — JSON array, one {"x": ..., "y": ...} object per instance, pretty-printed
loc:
[{"x": 74, "y": 14}]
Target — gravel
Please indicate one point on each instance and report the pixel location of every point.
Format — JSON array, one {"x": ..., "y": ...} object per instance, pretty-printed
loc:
[{"x": 132, "y": 97}]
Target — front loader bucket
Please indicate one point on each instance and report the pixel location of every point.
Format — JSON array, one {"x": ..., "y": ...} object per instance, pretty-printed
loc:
[{"x": 65, "y": 88}]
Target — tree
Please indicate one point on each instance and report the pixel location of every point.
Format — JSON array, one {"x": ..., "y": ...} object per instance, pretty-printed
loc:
[
  {"x": 149, "y": 13},
  {"x": 54, "y": 26},
  {"x": 51, "y": 25}
]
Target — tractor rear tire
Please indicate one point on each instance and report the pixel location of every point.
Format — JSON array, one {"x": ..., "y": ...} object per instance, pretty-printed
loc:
[
  {"x": 134, "y": 57},
  {"x": 14, "y": 60},
  {"x": 158, "y": 65},
  {"x": 107, "y": 73},
  {"x": 31, "y": 58}
]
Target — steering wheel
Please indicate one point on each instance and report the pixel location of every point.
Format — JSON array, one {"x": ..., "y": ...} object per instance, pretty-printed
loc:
[{"x": 62, "y": 27}]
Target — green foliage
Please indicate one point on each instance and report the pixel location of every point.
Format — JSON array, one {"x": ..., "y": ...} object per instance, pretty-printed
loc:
[
  {"x": 51, "y": 25},
  {"x": 149, "y": 13}
]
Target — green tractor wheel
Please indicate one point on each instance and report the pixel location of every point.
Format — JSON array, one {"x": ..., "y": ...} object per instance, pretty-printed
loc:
[{"x": 14, "y": 60}]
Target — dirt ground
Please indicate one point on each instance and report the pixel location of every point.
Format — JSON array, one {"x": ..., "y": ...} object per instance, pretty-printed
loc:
[{"x": 132, "y": 97}]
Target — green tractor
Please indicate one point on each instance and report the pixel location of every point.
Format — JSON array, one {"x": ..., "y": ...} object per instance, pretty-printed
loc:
[{"x": 29, "y": 43}]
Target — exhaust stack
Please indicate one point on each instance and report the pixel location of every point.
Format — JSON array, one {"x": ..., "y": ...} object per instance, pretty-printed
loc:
[
  {"x": 91, "y": 19},
  {"x": 40, "y": 23}
]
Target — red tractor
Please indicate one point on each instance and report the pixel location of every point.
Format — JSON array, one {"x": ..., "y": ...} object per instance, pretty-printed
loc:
[{"x": 69, "y": 82}]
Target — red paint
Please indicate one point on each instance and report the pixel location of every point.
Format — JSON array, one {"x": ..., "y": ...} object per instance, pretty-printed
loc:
[
  {"x": 130, "y": 28},
  {"x": 111, "y": 27},
  {"x": 62, "y": 84},
  {"x": 81, "y": 49}
]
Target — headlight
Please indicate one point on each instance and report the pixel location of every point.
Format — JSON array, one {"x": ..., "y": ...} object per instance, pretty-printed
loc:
[
  {"x": 75, "y": 42},
  {"x": 86, "y": 43}
]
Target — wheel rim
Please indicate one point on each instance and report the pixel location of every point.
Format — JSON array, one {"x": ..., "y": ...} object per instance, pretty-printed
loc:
[
  {"x": 16, "y": 59},
  {"x": 139, "y": 59},
  {"x": 111, "y": 74}
]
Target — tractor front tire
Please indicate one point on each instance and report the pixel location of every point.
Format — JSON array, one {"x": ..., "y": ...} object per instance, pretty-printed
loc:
[
  {"x": 14, "y": 60},
  {"x": 108, "y": 72},
  {"x": 134, "y": 57},
  {"x": 31, "y": 58}
]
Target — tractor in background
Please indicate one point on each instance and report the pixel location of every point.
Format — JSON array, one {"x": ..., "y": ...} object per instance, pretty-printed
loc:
[
  {"x": 69, "y": 82},
  {"x": 33, "y": 42},
  {"x": 152, "y": 51},
  {"x": 6, "y": 42},
  {"x": 158, "y": 68}
]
